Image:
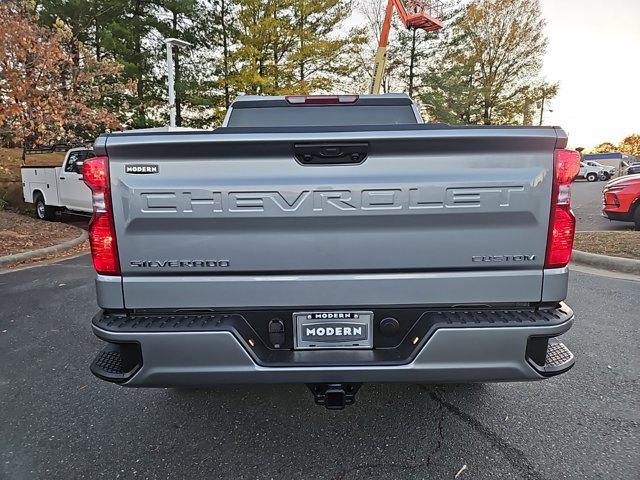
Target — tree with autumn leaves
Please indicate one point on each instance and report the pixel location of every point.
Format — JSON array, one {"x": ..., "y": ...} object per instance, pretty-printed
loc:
[
  {"x": 72, "y": 68},
  {"x": 486, "y": 67},
  {"x": 46, "y": 93},
  {"x": 630, "y": 145},
  {"x": 604, "y": 147}
]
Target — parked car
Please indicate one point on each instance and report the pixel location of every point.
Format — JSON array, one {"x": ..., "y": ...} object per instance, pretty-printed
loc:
[
  {"x": 331, "y": 240},
  {"x": 56, "y": 188},
  {"x": 592, "y": 173},
  {"x": 607, "y": 170},
  {"x": 621, "y": 200},
  {"x": 633, "y": 169}
]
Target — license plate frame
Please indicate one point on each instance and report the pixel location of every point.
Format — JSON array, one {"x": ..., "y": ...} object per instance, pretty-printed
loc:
[{"x": 343, "y": 329}]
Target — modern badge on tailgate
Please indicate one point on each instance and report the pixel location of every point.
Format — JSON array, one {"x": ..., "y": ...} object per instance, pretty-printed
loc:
[
  {"x": 141, "y": 169},
  {"x": 315, "y": 330}
]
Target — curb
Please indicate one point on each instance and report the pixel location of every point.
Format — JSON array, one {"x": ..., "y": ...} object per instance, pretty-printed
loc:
[
  {"x": 43, "y": 252},
  {"x": 605, "y": 262}
]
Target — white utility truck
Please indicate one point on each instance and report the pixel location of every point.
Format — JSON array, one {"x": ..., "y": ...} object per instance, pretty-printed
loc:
[
  {"x": 57, "y": 188},
  {"x": 608, "y": 171},
  {"x": 592, "y": 173}
]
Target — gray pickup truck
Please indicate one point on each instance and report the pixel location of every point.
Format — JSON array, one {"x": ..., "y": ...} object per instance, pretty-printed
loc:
[{"x": 331, "y": 241}]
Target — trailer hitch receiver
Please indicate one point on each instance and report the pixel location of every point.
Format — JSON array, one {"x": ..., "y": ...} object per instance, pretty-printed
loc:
[{"x": 334, "y": 396}]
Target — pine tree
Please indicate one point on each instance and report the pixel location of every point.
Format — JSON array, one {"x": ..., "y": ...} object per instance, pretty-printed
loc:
[
  {"x": 292, "y": 46},
  {"x": 265, "y": 32},
  {"x": 78, "y": 15},
  {"x": 321, "y": 54},
  {"x": 177, "y": 19},
  {"x": 125, "y": 37}
]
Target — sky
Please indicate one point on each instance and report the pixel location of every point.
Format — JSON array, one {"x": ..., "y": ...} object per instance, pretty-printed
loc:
[{"x": 594, "y": 52}]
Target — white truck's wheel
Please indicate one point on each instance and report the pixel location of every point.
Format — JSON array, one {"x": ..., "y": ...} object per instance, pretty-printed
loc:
[
  {"x": 44, "y": 211},
  {"x": 592, "y": 177}
]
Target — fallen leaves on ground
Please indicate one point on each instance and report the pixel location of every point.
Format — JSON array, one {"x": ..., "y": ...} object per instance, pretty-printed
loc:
[{"x": 19, "y": 233}]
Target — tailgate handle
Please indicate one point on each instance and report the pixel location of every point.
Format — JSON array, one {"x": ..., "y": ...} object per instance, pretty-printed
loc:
[{"x": 331, "y": 153}]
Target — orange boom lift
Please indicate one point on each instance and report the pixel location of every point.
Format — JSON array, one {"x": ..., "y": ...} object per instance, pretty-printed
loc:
[{"x": 414, "y": 14}]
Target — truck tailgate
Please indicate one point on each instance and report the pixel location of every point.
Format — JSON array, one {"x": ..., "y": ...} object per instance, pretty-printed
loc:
[{"x": 231, "y": 208}]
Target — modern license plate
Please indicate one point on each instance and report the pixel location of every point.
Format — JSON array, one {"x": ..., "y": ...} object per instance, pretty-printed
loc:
[{"x": 342, "y": 329}]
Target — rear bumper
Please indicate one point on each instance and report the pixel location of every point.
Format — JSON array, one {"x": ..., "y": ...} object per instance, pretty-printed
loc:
[{"x": 455, "y": 353}]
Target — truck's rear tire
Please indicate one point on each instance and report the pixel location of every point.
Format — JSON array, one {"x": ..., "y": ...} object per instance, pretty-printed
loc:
[
  {"x": 44, "y": 211},
  {"x": 592, "y": 177},
  {"x": 636, "y": 217}
]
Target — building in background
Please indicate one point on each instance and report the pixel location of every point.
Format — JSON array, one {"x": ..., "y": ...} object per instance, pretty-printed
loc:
[{"x": 618, "y": 160}]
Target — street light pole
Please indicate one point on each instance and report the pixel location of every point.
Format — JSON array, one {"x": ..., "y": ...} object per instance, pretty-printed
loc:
[
  {"x": 172, "y": 93},
  {"x": 170, "y": 43}
]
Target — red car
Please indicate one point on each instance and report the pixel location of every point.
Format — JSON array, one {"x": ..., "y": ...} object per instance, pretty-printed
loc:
[{"x": 621, "y": 199}]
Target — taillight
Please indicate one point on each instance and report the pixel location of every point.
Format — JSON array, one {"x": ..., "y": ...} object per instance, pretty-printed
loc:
[
  {"x": 562, "y": 223},
  {"x": 320, "y": 99},
  {"x": 102, "y": 234}
]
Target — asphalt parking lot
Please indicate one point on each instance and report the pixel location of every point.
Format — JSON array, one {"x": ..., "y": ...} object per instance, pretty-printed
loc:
[
  {"x": 58, "y": 421},
  {"x": 586, "y": 202}
]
